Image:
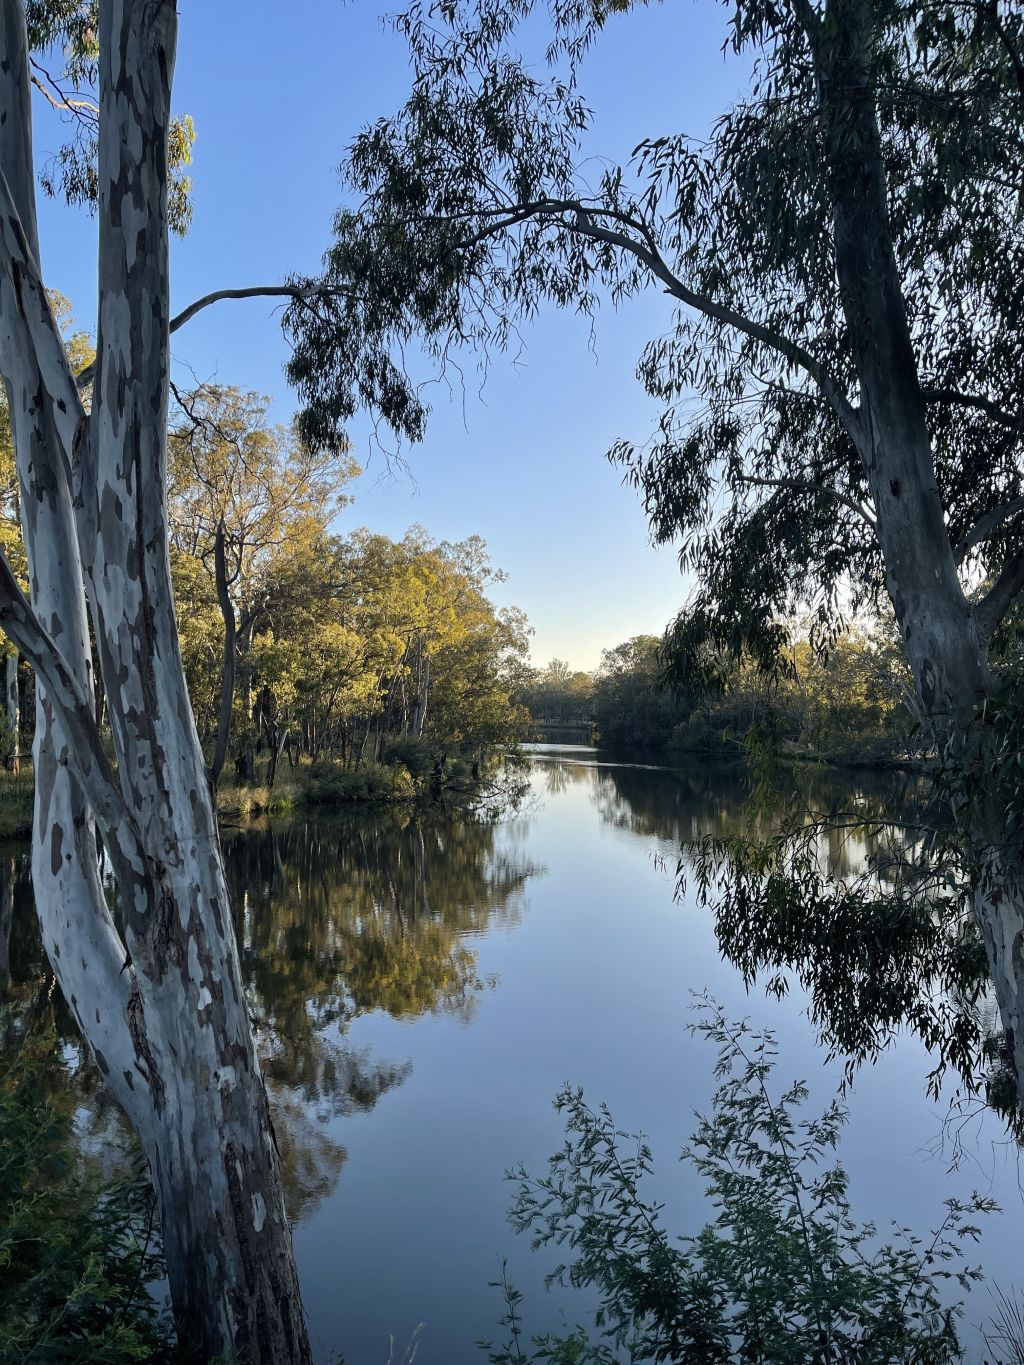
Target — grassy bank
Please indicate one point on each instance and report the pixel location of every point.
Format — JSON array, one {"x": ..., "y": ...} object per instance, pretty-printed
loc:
[
  {"x": 16, "y": 791},
  {"x": 318, "y": 784},
  {"x": 306, "y": 785}
]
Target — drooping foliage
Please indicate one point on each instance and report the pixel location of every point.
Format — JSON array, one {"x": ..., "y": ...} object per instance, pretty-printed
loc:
[
  {"x": 471, "y": 215},
  {"x": 65, "y": 59}
]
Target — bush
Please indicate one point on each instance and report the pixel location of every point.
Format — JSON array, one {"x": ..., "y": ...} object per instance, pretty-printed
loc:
[
  {"x": 413, "y": 752},
  {"x": 782, "y": 1274},
  {"x": 77, "y": 1251},
  {"x": 330, "y": 784}
]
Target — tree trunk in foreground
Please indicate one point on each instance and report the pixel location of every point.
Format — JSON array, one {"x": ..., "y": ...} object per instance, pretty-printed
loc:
[{"x": 161, "y": 1002}]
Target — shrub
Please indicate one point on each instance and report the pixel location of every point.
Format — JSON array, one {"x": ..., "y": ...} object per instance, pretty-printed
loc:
[
  {"x": 330, "y": 784},
  {"x": 782, "y": 1274},
  {"x": 77, "y": 1251},
  {"x": 413, "y": 752}
]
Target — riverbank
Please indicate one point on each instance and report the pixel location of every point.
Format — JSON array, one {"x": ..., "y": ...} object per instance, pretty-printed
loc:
[{"x": 322, "y": 784}]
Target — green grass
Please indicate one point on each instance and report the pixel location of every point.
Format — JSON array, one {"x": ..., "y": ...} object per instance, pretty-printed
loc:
[
  {"x": 16, "y": 791},
  {"x": 318, "y": 784}
]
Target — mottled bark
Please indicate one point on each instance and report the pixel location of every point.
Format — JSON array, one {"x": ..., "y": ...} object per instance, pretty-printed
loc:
[{"x": 163, "y": 1008}]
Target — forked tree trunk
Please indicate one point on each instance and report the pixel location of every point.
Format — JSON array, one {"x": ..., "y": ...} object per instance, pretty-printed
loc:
[{"x": 162, "y": 1008}]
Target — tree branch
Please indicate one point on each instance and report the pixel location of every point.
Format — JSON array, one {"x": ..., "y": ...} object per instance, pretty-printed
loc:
[
  {"x": 1002, "y": 595},
  {"x": 806, "y": 485},
  {"x": 227, "y": 687},
  {"x": 1015, "y": 421},
  {"x": 647, "y": 252},
  {"x": 33, "y": 304},
  {"x": 90, "y": 766},
  {"x": 255, "y": 291},
  {"x": 985, "y": 525}
]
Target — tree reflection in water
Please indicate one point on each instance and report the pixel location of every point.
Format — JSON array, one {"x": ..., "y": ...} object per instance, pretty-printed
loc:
[
  {"x": 344, "y": 915},
  {"x": 840, "y": 881},
  {"x": 340, "y": 916},
  {"x": 336, "y": 917}
]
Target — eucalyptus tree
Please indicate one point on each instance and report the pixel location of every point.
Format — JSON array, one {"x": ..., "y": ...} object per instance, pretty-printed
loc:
[
  {"x": 245, "y": 497},
  {"x": 841, "y": 380},
  {"x": 156, "y": 989}
]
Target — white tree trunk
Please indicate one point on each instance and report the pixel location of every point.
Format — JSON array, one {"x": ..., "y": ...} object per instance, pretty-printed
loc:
[{"x": 161, "y": 1004}]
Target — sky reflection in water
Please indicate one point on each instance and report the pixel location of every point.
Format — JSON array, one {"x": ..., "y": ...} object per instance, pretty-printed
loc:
[{"x": 424, "y": 984}]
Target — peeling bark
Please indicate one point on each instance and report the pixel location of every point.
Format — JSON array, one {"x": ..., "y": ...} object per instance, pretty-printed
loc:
[{"x": 162, "y": 1007}]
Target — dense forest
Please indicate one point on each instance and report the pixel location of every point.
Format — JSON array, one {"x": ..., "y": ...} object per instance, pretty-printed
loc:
[{"x": 849, "y": 702}]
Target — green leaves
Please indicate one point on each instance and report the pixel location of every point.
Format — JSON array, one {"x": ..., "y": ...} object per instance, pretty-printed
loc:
[
  {"x": 782, "y": 1273},
  {"x": 78, "y": 1250},
  {"x": 63, "y": 40}
]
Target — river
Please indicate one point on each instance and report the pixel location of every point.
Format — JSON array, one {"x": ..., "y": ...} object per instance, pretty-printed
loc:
[{"x": 423, "y": 986}]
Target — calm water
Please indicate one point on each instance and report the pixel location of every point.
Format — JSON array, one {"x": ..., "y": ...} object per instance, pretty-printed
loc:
[{"x": 424, "y": 985}]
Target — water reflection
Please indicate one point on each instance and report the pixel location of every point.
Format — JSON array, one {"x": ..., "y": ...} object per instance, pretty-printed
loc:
[
  {"x": 342, "y": 916},
  {"x": 365, "y": 938},
  {"x": 853, "y": 905}
]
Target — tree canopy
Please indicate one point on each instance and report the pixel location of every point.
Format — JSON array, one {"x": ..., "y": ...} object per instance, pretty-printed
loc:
[{"x": 472, "y": 212}]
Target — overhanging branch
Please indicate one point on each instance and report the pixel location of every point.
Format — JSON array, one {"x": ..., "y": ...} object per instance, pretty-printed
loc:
[
  {"x": 807, "y": 486},
  {"x": 955, "y": 398},
  {"x": 255, "y": 291},
  {"x": 985, "y": 525},
  {"x": 576, "y": 216}
]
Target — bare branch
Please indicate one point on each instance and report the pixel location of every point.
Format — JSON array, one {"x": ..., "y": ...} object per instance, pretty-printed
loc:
[
  {"x": 1013, "y": 420},
  {"x": 1002, "y": 595},
  {"x": 256, "y": 291}
]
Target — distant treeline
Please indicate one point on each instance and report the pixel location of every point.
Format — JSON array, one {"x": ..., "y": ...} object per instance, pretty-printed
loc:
[
  {"x": 847, "y": 702},
  {"x": 301, "y": 644}
]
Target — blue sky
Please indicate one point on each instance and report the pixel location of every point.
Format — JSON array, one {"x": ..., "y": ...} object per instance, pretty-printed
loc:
[{"x": 277, "y": 92}]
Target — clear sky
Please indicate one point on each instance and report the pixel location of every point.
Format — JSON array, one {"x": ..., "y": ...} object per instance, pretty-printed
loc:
[{"x": 277, "y": 92}]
